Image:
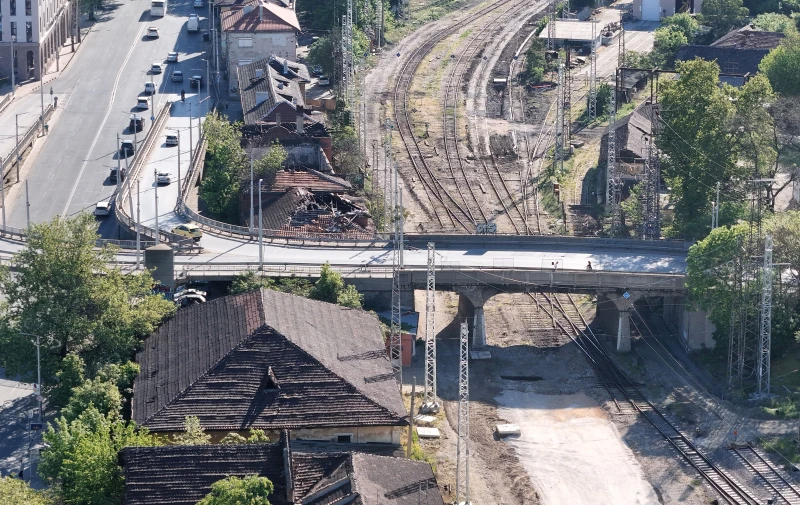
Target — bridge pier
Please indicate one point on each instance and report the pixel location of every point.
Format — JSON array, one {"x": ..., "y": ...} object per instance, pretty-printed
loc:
[
  {"x": 693, "y": 326},
  {"x": 471, "y": 300},
  {"x": 612, "y": 313}
]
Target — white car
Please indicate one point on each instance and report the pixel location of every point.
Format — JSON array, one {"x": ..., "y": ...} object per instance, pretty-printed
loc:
[
  {"x": 156, "y": 67},
  {"x": 152, "y": 32},
  {"x": 177, "y": 76},
  {"x": 142, "y": 103},
  {"x": 102, "y": 208},
  {"x": 164, "y": 178},
  {"x": 172, "y": 57},
  {"x": 172, "y": 140},
  {"x": 149, "y": 88}
]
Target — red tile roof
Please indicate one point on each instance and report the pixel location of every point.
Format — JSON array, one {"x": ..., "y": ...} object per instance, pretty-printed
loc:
[{"x": 268, "y": 18}]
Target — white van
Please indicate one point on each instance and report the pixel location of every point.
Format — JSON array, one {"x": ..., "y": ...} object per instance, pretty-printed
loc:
[{"x": 193, "y": 24}]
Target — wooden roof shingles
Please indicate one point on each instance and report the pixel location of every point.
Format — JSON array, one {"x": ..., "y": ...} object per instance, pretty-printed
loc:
[{"x": 214, "y": 367}]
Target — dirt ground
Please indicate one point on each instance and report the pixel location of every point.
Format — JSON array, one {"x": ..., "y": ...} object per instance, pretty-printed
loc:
[{"x": 572, "y": 449}]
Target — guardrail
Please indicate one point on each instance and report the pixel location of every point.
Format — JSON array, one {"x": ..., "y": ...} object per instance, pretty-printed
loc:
[{"x": 27, "y": 139}]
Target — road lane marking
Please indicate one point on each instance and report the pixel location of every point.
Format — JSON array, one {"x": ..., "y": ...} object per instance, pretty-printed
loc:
[{"x": 105, "y": 119}]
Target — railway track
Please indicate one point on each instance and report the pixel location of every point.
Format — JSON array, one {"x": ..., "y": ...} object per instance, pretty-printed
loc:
[
  {"x": 623, "y": 390},
  {"x": 462, "y": 210},
  {"x": 783, "y": 492}
]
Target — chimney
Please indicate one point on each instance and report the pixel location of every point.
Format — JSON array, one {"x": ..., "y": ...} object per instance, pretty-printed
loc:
[
  {"x": 278, "y": 118},
  {"x": 285, "y": 66},
  {"x": 300, "y": 122},
  {"x": 260, "y": 12},
  {"x": 248, "y": 9}
]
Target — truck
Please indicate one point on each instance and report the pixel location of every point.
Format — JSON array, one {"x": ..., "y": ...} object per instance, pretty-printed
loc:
[{"x": 193, "y": 24}]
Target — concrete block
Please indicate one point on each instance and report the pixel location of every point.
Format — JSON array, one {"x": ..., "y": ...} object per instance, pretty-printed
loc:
[
  {"x": 422, "y": 419},
  {"x": 423, "y": 432},
  {"x": 506, "y": 430},
  {"x": 480, "y": 355}
]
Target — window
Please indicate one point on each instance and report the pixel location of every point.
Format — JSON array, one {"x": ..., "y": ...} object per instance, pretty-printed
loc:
[
  {"x": 13, "y": 31},
  {"x": 248, "y": 42},
  {"x": 13, "y": 11},
  {"x": 344, "y": 439},
  {"x": 28, "y": 31},
  {"x": 730, "y": 67},
  {"x": 27, "y": 7}
]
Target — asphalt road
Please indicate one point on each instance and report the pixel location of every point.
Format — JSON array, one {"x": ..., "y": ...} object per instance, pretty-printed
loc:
[{"x": 99, "y": 91}]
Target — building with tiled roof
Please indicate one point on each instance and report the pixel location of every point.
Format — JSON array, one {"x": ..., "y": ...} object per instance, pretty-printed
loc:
[
  {"x": 256, "y": 30},
  {"x": 307, "y": 474},
  {"x": 272, "y": 361}
]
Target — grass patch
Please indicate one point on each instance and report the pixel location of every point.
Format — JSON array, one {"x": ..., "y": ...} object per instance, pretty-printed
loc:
[{"x": 787, "y": 447}]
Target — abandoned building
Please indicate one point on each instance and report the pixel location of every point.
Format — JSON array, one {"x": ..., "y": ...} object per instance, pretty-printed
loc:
[
  {"x": 307, "y": 203},
  {"x": 632, "y": 139},
  {"x": 273, "y": 97},
  {"x": 271, "y": 361},
  {"x": 301, "y": 472}
]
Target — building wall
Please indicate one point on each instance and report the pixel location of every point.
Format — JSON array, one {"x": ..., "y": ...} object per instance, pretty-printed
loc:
[
  {"x": 642, "y": 7},
  {"x": 264, "y": 45},
  {"x": 50, "y": 26},
  {"x": 358, "y": 434}
]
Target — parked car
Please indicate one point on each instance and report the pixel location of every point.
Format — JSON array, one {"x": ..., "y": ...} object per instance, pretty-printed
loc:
[
  {"x": 184, "y": 296},
  {"x": 136, "y": 123},
  {"x": 193, "y": 24},
  {"x": 149, "y": 88},
  {"x": 172, "y": 57},
  {"x": 164, "y": 178},
  {"x": 196, "y": 81},
  {"x": 152, "y": 32},
  {"x": 102, "y": 209},
  {"x": 177, "y": 76},
  {"x": 188, "y": 230},
  {"x": 142, "y": 103},
  {"x": 113, "y": 174},
  {"x": 172, "y": 140},
  {"x": 316, "y": 70},
  {"x": 323, "y": 80},
  {"x": 126, "y": 148},
  {"x": 156, "y": 67}
]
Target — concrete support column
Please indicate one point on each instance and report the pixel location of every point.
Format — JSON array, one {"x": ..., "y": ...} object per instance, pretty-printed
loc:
[
  {"x": 613, "y": 316},
  {"x": 624, "y": 332},
  {"x": 470, "y": 307},
  {"x": 478, "y": 328}
]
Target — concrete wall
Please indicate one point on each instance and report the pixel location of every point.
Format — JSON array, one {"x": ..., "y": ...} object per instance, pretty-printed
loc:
[
  {"x": 642, "y": 7},
  {"x": 359, "y": 434},
  {"x": 615, "y": 322},
  {"x": 695, "y": 330}
]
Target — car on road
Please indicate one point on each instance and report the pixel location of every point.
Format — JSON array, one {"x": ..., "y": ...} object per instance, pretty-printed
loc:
[
  {"x": 193, "y": 24},
  {"x": 156, "y": 67},
  {"x": 316, "y": 70},
  {"x": 323, "y": 81},
  {"x": 136, "y": 123},
  {"x": 113, "y": 174},
  {"x": 152, "y": 32},
  {"x": 102, "y": 209},
  {"x": 126, "y": 148},
  {"x": 164, "y": 178},
  {"x": 149, "y": 88},
  {"x": 196, "y": 81},
  {"x": 198, "y": 4},
  {"x": 142, "y": 103},
  {"x": 177, "y": 76},
  {"x": 172, "y": 57},
  {"x": 172, "y": 140},
  {"x": 188, "y": 230}
]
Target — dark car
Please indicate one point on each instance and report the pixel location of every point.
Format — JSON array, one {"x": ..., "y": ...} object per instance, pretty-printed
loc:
[
  {"x": 196, "y": 81},
  {"x": 136, "y": 123},
  {"x": 126, "y": 148},
  {"x": 113, "y": 174}
]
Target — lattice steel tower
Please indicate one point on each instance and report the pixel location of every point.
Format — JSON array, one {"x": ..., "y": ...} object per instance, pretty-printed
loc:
[
  {"x": 462, "y": 448},
  {"x": 765, "y": 342},
  {"x": 567, "y": 92},
  {"x": 651, "y": 208},
  {"x": 431, "y": 402},
  {"x": 612, "y": 186},
  {"x": 593, "y": 74},
  {"x": 397, "y": 265},
  {"x": 551, "y": 25},
  {"x": 558, "y": 153}
]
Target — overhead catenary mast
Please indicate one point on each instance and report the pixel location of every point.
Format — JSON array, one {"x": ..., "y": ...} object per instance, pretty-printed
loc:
[
  {"x": 431, "y": 402},
  {"x": 462, "y": 447}
]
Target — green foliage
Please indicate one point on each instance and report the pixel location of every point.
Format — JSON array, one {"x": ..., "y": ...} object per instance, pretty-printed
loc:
[
  {"x": 666, "y": 44},
  {"x": 785, "y": 230},
  {"x": 350, "y": 297},
  {"x": 754, "y": 127},
  {"x": 683, "y": 22},
  {"x": 321, "y": 53},
  {"x": 698, "y": 147},
  {"x": 65, "y": 291},
  {"x": 233, "y": 438},
  {"x": 782, "y": 66},
  {"x": 329, "y": 285},
  {"x": 270, "y": 163},
  {"x": 71, "y": 375},
  {"x": 193, "y": 433},
  {"x": 757, "y": 7},
  {"x": 535, "y": 63},
  {"x": 774, "y": 22},
  {"x": 258, "y": 437},
  {"x": 250, "y": 281},
  {"x": 329, "y": 288},
  {"x": 104, "y": 396},
  {"x": 347, "y": 159},
  {"x": 251, "y": 490},
  {"x": 603, "y": 95},
  {"x": 18, "y": 492},
  {"x": 82, "y": 456},
  {"x": 225, "y": 165},
  {"x": 722, "y": 15},
  {"x": 632, "y": 207}
]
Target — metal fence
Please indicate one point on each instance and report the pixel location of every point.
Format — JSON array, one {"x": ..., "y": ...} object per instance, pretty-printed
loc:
[{"x": 27, "y": 139}]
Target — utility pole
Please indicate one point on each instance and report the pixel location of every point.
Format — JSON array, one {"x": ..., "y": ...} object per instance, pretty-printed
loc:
[
  {"x": 41, "y": 89},
  {"x": 765, "y": 343},
  {"x": 119, "y": 167},
  {"x": 395, "y": 339},
  {"x": 180, "y": 199},
  {"x": 715, "y": 211},
  {"x": 462, "y": 447},
  {"x": 567, "y": 109},
  {"x": 551, "y": 25},
  {"x": 27, "y": 204},
  {"x": 410, "y": 442},
  {"x": 13, "y": 65},
  {"x": 138, "y": 220},
  {"x": 612, "y": 188},
  {"x": 379, "y": 22},
  {"x": 155, "y": 186},
  {"x": 651, "y": 227},
  {"x": 252, "y": 218},
  {"x": 621, "y": 55},
  {"x": 593, "y": 74},
  {"x": 558, "y": 154},
  {"x": 260, "y": 229},
  {"x": 3, "y": 190},
  {"x": 430, "y": 403},
  {"x": 16, "y": 140}
]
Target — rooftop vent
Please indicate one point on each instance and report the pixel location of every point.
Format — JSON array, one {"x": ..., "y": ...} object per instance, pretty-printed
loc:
[
  {"x": 248, "y": 9},
  {"x": 259, "y": 73},
  {"x": 261, "y": 97}
]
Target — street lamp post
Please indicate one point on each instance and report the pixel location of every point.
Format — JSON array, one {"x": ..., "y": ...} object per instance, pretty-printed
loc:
[
  {"x": 13, "y": 65},
  {"x": 3, "y": 190},
  {"x": 158, "y": 233},
  {"x": 138, "y": 220},
  {"x": 191, "y": 153},
  {"x": 16, "y": 139},
  {"x": 38, "y": 372},
  {"x": 179, "y": 168},
  {"x": 260, "y": 229},
  {"x": 41, "y": 87},
  {"x": 252, "y": 220}
]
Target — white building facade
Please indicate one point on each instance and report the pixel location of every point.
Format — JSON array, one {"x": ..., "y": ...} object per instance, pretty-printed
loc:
[{"x": 654, "y": 10}]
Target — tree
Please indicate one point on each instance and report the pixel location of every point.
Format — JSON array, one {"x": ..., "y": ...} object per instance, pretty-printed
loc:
[
  {"x": 347, "y": 159},
  {"x": 329, "y": 285},
  {"x": 774, "y": 22},
  {"x": 71, "y": 375},
  {"x": 722, "y": 15},
  {"x": 782, "y": 66},
  {"x": 19, "y": 492},
  {"x": 683, "y": 22},
  {"x": 82, "y": 456},
  {"x": 256, "y": 437},
  {"x": 269, "y": 165},
  {"x": 697, "y": 145},
  {"x": 535, "y": 62},
  {"x": 350, "y": 297},
  {"x": 666, "y": 43},
  {"x": 632, "y": 207},
  {"x": 321, "y": 53},
  {"x": 97, "y": 393},
  {"x": 193, "y": 433},
  {"x": 64, "y": 290},
  {"x": 251, "y": 490},
  {"x": 226, "y": 164},
  {"x": 248, "y": 281},
  {"x": 603, "y": 95}
]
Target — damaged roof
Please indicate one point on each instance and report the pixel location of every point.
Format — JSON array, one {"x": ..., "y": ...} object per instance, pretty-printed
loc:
[
  {"x": 258, "y": 17},
  {"x": 182, "y": 475},
  {"x": 311, "y": 180},
  {"x": 632, "y": 130},
  {"x": 266, "y": 360},
  {"x": 749, "y": 38},
  {"x": 267, "y": 82}
]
